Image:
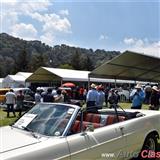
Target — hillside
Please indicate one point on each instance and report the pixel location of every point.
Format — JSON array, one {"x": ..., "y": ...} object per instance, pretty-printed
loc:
[{"x": 20, "y": 55}]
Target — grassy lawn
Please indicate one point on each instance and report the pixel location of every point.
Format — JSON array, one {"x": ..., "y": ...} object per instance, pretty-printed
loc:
[{"x": 4, "y": 120}]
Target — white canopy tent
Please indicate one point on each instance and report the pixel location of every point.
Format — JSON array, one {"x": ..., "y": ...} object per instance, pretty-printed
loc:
[
  {"x": 48, "y": 75},
  {"x": 1, "y": 79},
  {"x": 17, "y": 80},
  {"x": 130, "y": 66},
  {"x": 24, "y": 74}
]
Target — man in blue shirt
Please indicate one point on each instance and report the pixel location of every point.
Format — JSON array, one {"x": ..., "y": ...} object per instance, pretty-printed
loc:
[
  {"x": 101, "y": 97},
  {"x": 137, "y": 96},
  {"x": 92, "y": 98}
]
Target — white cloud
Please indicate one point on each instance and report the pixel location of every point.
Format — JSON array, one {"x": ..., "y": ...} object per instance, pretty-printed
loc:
[
  {"x": 13, "y": 10},
  {"x": 48, "y": 38},
  {"x": 14, "y": 14},
  {"x": 8, "y": 1},
  {"x": 129, "y": 41},
  {"x": 64, "y": 12},
  {"x": 103, "y": 37},
  {"x": 52, "y": 26},
  {"x": 23, "y": 7},
  {"x": 143, "y": 46},
  {"x": 26, "y": 31},
  {"x": 53, "y": 22},
  {"x": 8, "y": 20}
]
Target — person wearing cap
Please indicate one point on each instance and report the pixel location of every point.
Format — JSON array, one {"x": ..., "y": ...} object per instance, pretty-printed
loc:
[
  {"x": 137, "y": 96},
  {"x": 92, "y": 98},
  {"x": 154, "y": 99},
  {"x": 101, "y": 97},
  {"x": 148, "y": 91}
]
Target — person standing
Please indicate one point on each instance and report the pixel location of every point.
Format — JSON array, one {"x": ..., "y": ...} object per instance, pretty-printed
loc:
[
  {"x": 10, "y": 101},
  {"x": 48, "y": 97},
  {"x": 92, "y": 98},
  {"x": 112, "y": 98},
  {"x": 20, "y": 99},
  {"x": 148, "y": 91},
  {"x": 59, "y": 97},
  {"x": 106, "y": 91},
  {"x": 101, "y": 97},
  {"x": 37, "y": 96},
  {"x": 117, "y": 97},
  {"x": 154, "y": 99},
  {"x": 137, "y": 96}
]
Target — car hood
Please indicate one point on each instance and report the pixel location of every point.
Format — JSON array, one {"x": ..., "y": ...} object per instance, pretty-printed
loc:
[{"x": 13, "y": 138}]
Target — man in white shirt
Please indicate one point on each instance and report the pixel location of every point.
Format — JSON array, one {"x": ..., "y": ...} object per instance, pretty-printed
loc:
[{"x": 10, "y": 101}]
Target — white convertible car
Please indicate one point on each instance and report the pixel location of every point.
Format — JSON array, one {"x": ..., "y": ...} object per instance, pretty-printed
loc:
[{"x": 52, "y": 131}]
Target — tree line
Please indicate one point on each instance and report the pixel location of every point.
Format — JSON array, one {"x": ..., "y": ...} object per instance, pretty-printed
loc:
[{"x": 18, "y": 55}]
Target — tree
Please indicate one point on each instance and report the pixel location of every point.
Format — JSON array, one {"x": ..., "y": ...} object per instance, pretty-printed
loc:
[
  {"x": 87, "y": 63},
  {"x": 66, "y": 66},
  {"x": 75, "y": 61},
  {"x": 37, "y": 61},
  {"x": 22, "y": 61}
]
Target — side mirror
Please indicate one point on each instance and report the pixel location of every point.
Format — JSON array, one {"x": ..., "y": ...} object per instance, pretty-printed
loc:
[{"x": 90, "y": 127}]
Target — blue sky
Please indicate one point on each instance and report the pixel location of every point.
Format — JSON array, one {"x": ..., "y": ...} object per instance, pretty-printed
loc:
[{"x": 104, "y": 24}]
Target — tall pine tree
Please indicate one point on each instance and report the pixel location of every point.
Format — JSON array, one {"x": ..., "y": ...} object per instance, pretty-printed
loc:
[
  {"x": 37, "y": 61},
  {"x": 22, "y": 61},
  {"x": 76, "y": 61}
]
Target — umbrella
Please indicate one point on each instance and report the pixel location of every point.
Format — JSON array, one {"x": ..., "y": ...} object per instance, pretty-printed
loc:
[{"x": 68, "y": 84}]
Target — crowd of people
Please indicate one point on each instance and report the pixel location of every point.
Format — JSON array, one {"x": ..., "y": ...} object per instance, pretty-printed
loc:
[
  {"x": 12, "y": 99},
  {"x": 95, "y": 98},
  {"x": 147, "y": 94}
]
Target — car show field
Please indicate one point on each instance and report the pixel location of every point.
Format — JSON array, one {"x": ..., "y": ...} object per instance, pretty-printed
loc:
[{"x": 52, "y": 126}]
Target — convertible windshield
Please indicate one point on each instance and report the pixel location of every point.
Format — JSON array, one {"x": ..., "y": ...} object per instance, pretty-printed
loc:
[{"x": 46, "y": 119}]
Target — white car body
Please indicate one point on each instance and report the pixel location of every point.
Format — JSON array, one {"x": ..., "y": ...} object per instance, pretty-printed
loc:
[
  {"x": 116, "y": 140},
  {"x": 124, "y": 95}
]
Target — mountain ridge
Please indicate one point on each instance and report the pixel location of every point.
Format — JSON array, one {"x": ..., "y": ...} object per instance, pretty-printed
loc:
[{"x": 23, "y": 55}]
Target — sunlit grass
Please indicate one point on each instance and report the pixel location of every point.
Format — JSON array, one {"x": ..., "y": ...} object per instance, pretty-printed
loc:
[{"x": 4, "y": 120}]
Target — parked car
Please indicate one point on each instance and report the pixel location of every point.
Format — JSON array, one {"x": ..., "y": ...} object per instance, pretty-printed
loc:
[
  {"x": 28, "y": 94},
  {"x": 66, "y": 132},
  {"x": 124, "y": 95},
  {"x": 28, "y": 98},
  {"x": 3, "y": 92}
]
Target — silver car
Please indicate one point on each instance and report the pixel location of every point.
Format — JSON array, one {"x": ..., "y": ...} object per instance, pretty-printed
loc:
[{"x": 52, "y": 131}]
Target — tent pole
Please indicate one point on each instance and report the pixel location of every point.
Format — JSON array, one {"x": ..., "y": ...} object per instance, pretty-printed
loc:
[
  {"x": 61, "y": 81},
  {"x": 115, "y": 83},
  {"x": 135, "y": 82},
  {"x": 88, "y": 82}
]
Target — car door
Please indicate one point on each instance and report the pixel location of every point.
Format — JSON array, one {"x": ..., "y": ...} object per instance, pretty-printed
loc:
[
  {"x": 79, "y": 146},
  {"x": 135, "y": 131},
  {"x": 108, "y": 142},
  {"x": 99, "y": 144}
]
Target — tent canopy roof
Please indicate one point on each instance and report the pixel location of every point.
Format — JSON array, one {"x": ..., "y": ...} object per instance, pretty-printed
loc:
[
  {"x": 130, "y": 66},
  {"x": 14, "y": 78},
  {"x": 46, "y": 74},
  {"x": 24, "y": 74}
]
